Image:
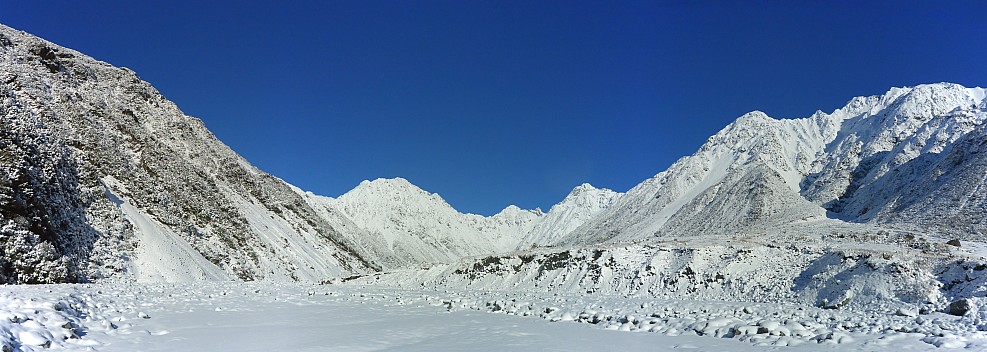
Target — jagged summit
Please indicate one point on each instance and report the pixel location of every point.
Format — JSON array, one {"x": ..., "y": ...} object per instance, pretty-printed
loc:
[
  {"x": 754, "y": 117},
  {"x": 585, "y": 195},
  {"x": 583, "y": 188},
  {"x": 514, "y": 211}
]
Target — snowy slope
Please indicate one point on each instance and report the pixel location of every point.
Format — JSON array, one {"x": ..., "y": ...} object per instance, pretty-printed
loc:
[
  {"x": 579, "y": 206},
  {"x": 409, "y": 227},
  {"x": 77, "y": 132},
  {"x": 781, "y": 148},
  {"x": 161, "y": 254}
]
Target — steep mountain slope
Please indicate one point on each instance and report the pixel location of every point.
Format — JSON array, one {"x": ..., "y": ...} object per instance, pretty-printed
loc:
[
  {"x": 947, "y": 194},
  {"x": 753, "y": 142},
  {"x": 410, "y": 227},
  {"x": 582, "y": 203},
  {"x": 869, "y": 162},
  {"x": 94, "y": 159}
]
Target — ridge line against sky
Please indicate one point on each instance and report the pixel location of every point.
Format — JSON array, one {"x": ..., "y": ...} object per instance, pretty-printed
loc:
[{"x": 508, "y": 102}]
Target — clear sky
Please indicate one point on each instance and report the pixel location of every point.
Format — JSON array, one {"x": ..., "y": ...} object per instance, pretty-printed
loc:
[{"x": 491, "y": 103}]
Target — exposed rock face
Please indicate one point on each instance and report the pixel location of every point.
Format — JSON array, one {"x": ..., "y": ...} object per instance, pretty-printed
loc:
[{"x": 80, "y": 138}]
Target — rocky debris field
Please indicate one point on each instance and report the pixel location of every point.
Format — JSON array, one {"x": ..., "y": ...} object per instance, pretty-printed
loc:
[{"x": 270, "y": 316}]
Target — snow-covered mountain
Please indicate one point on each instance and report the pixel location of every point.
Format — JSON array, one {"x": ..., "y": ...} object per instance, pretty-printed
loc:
[
  {"x": 909, "y": 159},
  {"x": 409, "y": 227},
  {"x": 584, "y": 202},
  {"x": 102, "y": 176}
]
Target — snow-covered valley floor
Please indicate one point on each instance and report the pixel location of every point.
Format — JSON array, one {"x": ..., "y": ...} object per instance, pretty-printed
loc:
[{"x": 293, "y": 317}]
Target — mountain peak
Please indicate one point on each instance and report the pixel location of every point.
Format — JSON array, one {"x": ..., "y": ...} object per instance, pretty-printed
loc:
[
  {"x": 391, "y": 182},
  {"x": 382, "y": 186},
  {"x": 587, "y": 190},
  {"x": 756, "y": 115},
  {"x": 582, "y": 203},
  {"x": 583, "y": 187},
  {"x": 516, "y": 211}
]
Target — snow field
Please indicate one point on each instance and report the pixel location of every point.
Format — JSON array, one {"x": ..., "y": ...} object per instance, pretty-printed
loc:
[
  {"x": 217, "y": 316},
  {"x": 226, "y": 316}
]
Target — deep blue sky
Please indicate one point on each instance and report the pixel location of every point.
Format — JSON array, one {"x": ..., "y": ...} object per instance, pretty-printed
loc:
[{"x": 491, "y": 103}]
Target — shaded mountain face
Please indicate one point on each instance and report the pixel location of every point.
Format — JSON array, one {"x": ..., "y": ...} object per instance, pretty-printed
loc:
[
  {"x": 910, "y": 159},
  {"x": 92, "y": 157}
]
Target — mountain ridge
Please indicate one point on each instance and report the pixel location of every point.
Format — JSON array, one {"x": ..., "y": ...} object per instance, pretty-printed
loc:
[{"x": 815, "y": 156}]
